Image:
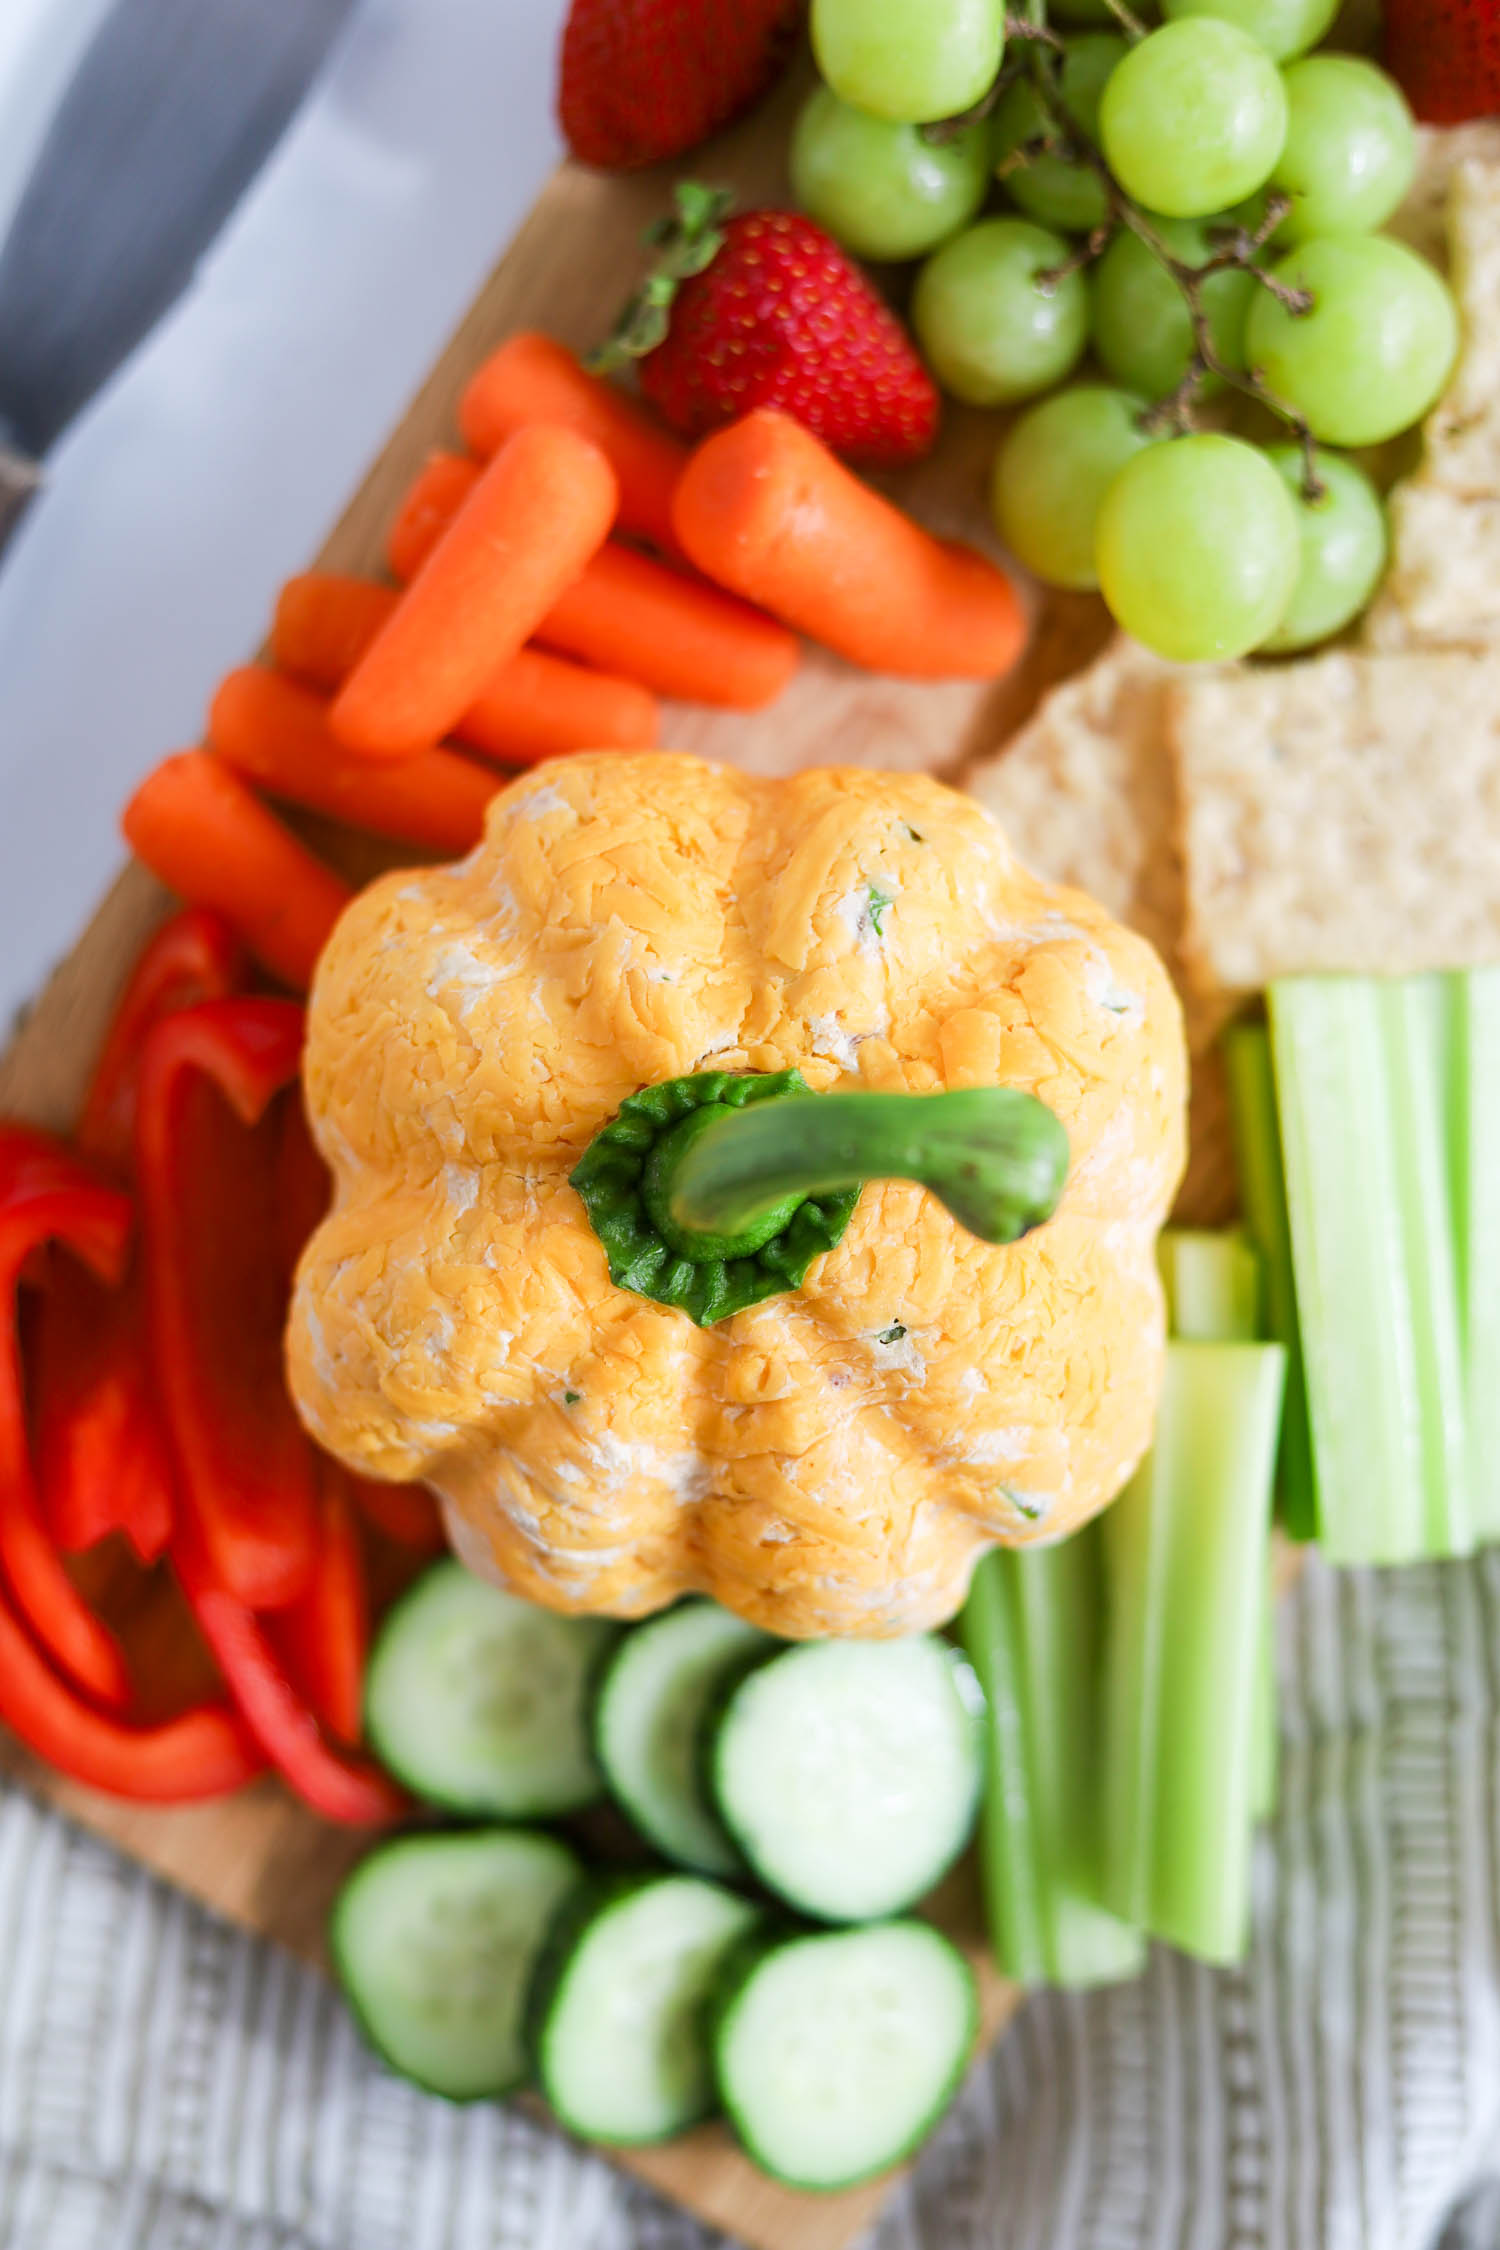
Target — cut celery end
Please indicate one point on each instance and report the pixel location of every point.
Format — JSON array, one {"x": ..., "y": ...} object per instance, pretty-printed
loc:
[
  {"x": 1359, "y": 1067},
  {"x": 1186, "y": 1551},
  {"x": 1031, "y": 1630},
  {"x": 1476, "y": 1167},
  {"x": 1257, "y": 1146},
  {"x": 1213, "y": 1284}
]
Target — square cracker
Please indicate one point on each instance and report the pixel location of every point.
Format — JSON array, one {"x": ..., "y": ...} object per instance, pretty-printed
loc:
[
  {"x": 1442, "y": 589},
  {"x": 1341, "y": 814},
  {"x": 1086, "y": 794},
  {"x": 1442, "y": 151},
  {"x": 1461, "y": 440}
]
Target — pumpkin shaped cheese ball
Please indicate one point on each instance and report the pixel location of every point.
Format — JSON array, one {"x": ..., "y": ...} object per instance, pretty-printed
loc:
[{"x": 599, "y": 1102}]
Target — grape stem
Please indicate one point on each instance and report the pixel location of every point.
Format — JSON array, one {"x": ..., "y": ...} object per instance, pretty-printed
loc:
[
  {"x": 1032, "y": 30},
  {"x": 1175, "y": 411},
  {"x": 1129, "y": 23},
  {"x": 1079, "y": 259},
  {"x": 947, "y": 129},
  {"x": 1238, "y": 250}
]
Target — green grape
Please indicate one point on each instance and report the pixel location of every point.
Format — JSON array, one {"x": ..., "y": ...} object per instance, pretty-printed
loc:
[
  {"x": 1140, "y": 324},
  {"x": 1194, "y": 118},
  {"x": 1198, "y": 548},
  {"x": 1344, "y": 544},
  {"x": 911, "y": 61},
  {"x": 1351, "y": 148},
  {"x": 1085, "y": 11},
  {"x": 1050, "y": 189},
  {"x": 1283, "y": 27},
  {"x": 990, "y": 333},
  {"x": 1052, "y": 472},
  {"x": 1375, "y": 350},
  {"x": 880, "y": 189}
]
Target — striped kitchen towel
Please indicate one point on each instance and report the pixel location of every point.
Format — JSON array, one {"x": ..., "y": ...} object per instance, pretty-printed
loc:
[{"x": 167, "y": 2084}]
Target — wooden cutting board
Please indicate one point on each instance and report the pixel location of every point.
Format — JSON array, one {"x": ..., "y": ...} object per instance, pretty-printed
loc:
[{"x": 260, "y": 1858}]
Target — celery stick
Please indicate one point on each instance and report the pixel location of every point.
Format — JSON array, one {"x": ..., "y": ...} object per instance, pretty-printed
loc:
[
  {"x": 1265, "y": 1772},
  {"x": 1476, "y": 1156},
  {"x": 1257, "y": 1147},
  {"x": 1031, "y": 1631},
  {"x": 1186, "y": 1556},
  {"x": 1418, "y": 1045},
  {"x": 1215, "y": 1295},
  {"x": 1213, "y": 1284},
  {"x": 1345, "y": 1178}
]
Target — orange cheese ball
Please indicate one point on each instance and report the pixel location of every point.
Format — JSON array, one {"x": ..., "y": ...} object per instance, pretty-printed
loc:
[{"x": 834, "y": 1460}]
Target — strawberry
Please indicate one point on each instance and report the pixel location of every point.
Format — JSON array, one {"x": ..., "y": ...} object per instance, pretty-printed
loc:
[
  {"x": 1446, "y": 56},
  {"x": 645, "y": 79},
  {"x": 766, "y": 310}
]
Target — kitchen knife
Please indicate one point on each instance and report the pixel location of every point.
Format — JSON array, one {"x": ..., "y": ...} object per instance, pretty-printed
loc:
[{"x": 169, "y": 115}]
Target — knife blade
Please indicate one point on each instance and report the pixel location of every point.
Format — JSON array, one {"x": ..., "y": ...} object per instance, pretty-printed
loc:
[{"x": 169, "y": 115}]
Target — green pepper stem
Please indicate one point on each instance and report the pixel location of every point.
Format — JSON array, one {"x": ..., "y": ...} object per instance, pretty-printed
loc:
[{"x": 994, "y": 1156}]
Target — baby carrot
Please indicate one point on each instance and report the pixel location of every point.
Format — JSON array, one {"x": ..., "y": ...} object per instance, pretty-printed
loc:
[
  {"x": 767, "y": 511},
  {"x": 626, "y": 613},
  {"x": 276, "y": 734},
  {"x": 533, "y": 379},
  {"x": 539, "y": 511},
  {"x": 202, "y": 832},
  {"x": 324, "y": 623},
  {"x": 679, "y": 636},
  {"x": 536, "y": 706},
  {"x": 433, "y": 499}
]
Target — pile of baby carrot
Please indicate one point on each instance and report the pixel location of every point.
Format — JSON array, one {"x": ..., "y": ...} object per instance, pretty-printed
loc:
[{"x": 528, "y": 620}]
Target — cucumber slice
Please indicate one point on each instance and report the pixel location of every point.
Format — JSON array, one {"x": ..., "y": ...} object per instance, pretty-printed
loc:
[
  {"x": 434, "y": 1940},
  {"x": 620, "y": 2006},
  {"x": 837, "y": 2053},
  {"x": 477, "y": 1700},
  {"x": 848, "y": 1772},
  {"x": 650, "y": 1709}
]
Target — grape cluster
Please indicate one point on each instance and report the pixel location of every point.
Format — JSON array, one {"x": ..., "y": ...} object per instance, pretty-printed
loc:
[{"x": 1196, "y": 205}]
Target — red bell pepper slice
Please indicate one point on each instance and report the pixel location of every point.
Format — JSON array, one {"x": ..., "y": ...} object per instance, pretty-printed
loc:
[
  {"x": 102, "y": 1459},
  {"x": 206, "y": 1163},
  {"x": 47, "y": 1195},
  {"x": 324, "y": 1638},
  {"x": 193, "y": 957},
  {"x": 304, "y": 1189},
  {"x": 101, "y": 1455},
  {"x": 346, "y": 1789},
  {"x": 205, "y": 1752},
  {"x": 406, "y": 1514}
]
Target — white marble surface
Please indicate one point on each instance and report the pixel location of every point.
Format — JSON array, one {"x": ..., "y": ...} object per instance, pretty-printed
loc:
[{"x": 212, "y": 465}]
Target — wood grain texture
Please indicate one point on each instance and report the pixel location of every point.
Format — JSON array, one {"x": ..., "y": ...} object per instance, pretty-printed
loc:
[{"x": 260, "y": 1859}]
